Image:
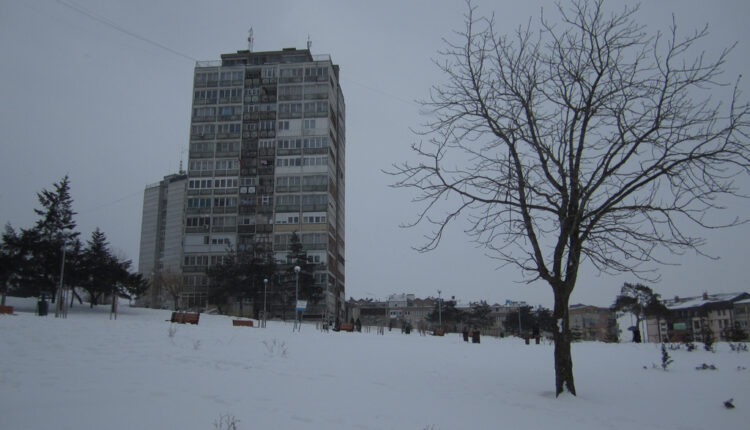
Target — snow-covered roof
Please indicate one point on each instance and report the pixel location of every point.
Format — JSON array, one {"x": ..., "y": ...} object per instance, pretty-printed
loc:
[{"x": 698, "y": 301}]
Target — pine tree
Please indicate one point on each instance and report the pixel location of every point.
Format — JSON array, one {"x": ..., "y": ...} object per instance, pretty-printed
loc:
[
  {"x": 44, "y": 242},
  {"x": 642, "y": 302}
]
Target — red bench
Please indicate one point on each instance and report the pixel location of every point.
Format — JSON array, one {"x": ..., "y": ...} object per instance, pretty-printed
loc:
[
  {"x": 6, "y": 310},
  {"x": 185, "y": 317},
  {"x": 346, "y": 327},
  {"x": 242, "y": 323}
]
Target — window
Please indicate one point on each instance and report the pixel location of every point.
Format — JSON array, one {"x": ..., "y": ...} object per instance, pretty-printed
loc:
[
  {"x": 288, "y": 161},
  {"x": 266, "y": 144},
  {"x": 227, "y": 164},
  {"x": 225, "y": 202},
  {"x": 268, "y": 72},
  {"x": 201, "y": 165},
  {"x": 287, "y": 219},
  {"x": 315, "y": 199},
  {"x": 289, "y": 144},
  {"x": 199, "y": 203},
  {"x": 283, "y": 125},
  {"x": 315, "y": 161},
  {"x": 287, "y": 181},
  {"x": 309, "y": 124},
  {"x": 203, "y": 130},
  {"x": 228, "y": 147},
  {"x": 267, "y": 124},
  {"x": 198, "y": 221},
  {"x": 290, "y": 110},
  {"x": 317, "y": 180},
  {"x": 287, "y": 200},
  {"x": 316, "y": 109},
  {"x": 196, "y": 260},
  {"x": 201, "y": 147},
  {"x": 225, "y": 183},
  {"x": 314, "y": 219},
  {"x": 292, "y": 92},
  {"x": 315, "y": 142},
  {"x": 249, "y": 181}
]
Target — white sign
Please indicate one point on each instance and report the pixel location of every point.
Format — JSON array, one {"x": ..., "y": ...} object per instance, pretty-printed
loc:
[{"x": 301, "y": 305}]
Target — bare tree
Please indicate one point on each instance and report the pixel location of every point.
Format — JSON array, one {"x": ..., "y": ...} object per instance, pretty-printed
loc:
[
  {"x": 172, "y": 283},
  {"x": 581, "y": 140}
]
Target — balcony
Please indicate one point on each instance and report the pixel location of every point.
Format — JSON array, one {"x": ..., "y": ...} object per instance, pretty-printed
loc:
[
  {"x": 314, "y": 208},
  {"x": 287, "y": 208},
  {"x": 246, "y": 229},
  {"x": 210, "y": 118},
  {"x": 235, "y": 117}
]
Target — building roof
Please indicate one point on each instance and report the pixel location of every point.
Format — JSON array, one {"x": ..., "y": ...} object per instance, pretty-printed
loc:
[{"x": 695, "y": 302}]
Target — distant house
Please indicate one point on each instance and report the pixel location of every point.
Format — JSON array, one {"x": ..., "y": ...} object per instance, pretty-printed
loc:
[
  {"x": 690, "y": 317},
  {"x": 593, "y": 323},
  {"x": 398, "y": 310}
]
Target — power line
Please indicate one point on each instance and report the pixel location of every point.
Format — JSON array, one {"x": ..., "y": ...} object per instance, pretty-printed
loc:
[{"x": 109, "y": 23}]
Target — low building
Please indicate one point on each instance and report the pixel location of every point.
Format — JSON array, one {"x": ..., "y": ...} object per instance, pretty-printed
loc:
[
  {"x": 692, "y": 318},
  {"x": 593, "y": 323}
]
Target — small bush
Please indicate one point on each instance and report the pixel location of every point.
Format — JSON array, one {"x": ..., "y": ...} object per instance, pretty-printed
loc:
[
  {"x": 276, "y": 347},
  {"x": 705, "y": 366},
  {"x": 665, "y": 359},
  {"x": 226, "y": 422}
]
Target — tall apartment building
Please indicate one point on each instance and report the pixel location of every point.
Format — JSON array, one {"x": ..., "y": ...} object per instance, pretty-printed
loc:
[
  {"x": 161, "y": 234},
  {"x": 266, "y": 160}
]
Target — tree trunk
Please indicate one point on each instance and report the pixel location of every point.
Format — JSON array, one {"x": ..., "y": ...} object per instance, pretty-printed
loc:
[{"x": 563, "y": 359}]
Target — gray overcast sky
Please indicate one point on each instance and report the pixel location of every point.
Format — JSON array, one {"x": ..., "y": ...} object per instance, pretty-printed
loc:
[{"x": 113, "y": 111}]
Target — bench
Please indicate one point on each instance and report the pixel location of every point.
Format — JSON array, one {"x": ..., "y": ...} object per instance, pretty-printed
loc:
[
  {"x": 185, "y": 317},
  {"x": 242, "y": 323},
  {"x": 6, "y": 310},
  {"x": 346, "y": 327}
]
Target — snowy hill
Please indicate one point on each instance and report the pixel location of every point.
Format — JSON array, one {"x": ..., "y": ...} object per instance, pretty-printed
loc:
[{"x": 90, "y": 372}]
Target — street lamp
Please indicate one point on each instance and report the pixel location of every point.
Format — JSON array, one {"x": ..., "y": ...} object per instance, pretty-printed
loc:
[
  {"x": 440, "y": 310},
  {"x": 296, "y": 298},
  {"x": 265, "y": 289},
  {"x": 60, "y": 309}
]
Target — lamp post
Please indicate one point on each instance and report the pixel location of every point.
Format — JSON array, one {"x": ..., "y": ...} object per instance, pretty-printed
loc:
[
  {"x": 296, "y": 298},
  {"x": 60, "y": 310},
  {"x": 265, "y": 289},
  {"x": 440, "y": 310}
]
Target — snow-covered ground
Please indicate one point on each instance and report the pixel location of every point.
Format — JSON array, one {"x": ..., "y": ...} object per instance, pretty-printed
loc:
[{"x": 90, "y": 372}]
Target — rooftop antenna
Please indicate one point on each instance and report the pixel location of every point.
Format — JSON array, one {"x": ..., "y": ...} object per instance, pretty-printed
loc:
[
  {"x": 309, "y": 42},
  {"x": 250, "y": 40}
]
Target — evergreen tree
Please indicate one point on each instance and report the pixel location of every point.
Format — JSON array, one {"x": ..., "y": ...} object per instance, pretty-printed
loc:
[
  {"x": 11, "y": 262},
  {"x": 451, "y": 316},
  {"x": 480, "y": 315},
  {"x": 224, "y": 281},
  {"x": 528, "y": 321},
  {"x": 297, "y": 256},
  {"x": 640, "y": 301},
  {"x": 43, "y": 243}
]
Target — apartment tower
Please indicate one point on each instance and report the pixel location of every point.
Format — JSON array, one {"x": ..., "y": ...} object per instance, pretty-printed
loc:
[{"x": 266, "y": 160}]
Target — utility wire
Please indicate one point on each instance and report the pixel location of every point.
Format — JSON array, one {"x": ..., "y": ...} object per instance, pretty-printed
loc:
[{"x": 109, "y": 23}]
